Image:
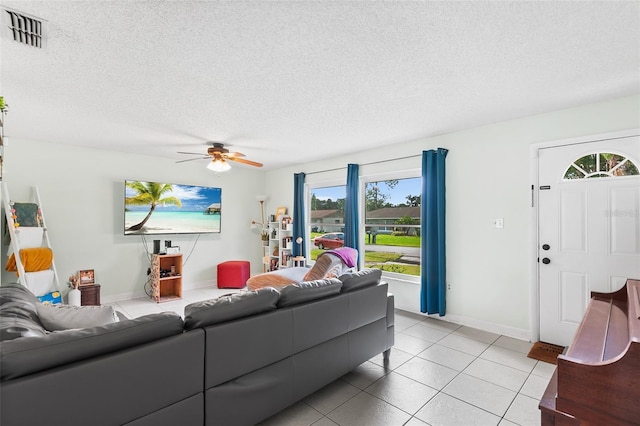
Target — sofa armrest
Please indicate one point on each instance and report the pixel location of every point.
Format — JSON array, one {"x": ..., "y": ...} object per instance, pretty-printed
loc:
[{"x": 391, "y": 312}]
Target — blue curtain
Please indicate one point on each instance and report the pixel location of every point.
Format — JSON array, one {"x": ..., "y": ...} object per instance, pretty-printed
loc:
[
  {"x": 432, "y": 229},
  {"x": 351, "y": 209},
  {"x": 298, "y": 214}
]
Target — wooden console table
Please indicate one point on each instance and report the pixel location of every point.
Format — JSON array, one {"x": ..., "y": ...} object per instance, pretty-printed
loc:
[{"x": 90, "y": 295}]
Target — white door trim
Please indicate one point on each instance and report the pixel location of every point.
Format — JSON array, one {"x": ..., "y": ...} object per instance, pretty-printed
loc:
[{"x": 534, "y": 290}]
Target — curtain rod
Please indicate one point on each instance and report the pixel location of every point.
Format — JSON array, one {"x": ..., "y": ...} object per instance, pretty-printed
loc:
[{"x": 365, "y": 164}]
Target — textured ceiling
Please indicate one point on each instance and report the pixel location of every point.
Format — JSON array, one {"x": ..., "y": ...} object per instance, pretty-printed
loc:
[{"x": 291, "y": 81}]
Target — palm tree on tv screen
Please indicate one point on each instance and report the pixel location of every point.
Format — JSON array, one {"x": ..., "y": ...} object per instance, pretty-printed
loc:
[{"x": 149, "y": 193}]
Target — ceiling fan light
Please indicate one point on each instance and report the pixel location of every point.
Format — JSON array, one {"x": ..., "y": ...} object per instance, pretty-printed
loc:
[{"x": 218, "y": 165}]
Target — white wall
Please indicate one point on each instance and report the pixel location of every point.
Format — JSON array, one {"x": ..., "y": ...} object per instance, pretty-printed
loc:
[
  {"x": 82, "y": 194},
  {"x": 488, "y": 177}
]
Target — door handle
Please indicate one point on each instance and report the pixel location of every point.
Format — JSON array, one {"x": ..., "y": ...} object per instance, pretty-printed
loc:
[
  {"x": 546, "y": 247},
  {"x": 546, "y": 260}
]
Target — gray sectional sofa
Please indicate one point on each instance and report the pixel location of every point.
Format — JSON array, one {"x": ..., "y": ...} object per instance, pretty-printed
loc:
[{"x": 235, "y": 360}]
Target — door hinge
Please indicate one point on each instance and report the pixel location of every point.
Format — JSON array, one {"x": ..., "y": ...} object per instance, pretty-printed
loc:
[{"x": 532, "y": 196}]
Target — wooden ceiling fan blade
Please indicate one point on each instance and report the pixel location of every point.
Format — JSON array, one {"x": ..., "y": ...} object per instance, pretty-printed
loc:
[
  {"x": 243, "y": 161},
  {"x": 190, "y": 153},
  {"x": 192, "y": 159},
  {"x": 235, "y": 154}
]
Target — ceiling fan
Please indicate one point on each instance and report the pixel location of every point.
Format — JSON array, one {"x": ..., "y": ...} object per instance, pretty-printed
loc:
[{"x": 219, "y": 156}]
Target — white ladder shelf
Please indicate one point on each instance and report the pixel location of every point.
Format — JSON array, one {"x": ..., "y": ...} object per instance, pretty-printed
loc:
[{"x": 15, "y": 245}]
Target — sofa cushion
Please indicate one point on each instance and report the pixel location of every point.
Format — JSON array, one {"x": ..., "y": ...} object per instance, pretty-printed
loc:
[
  {"x": 63, "y": 317},
  {"x": 230, "y": 307},
  {"x": 18, "y": 313},
  {"x": 364, "y": 278},
  {"x": 306, "y": 291},
  {"x": 29, "y": 355}
]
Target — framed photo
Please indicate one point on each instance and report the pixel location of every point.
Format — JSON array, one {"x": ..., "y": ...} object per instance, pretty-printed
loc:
[
  {"x": 86, "y": 277},
  {"x": 280, "y": 212}
]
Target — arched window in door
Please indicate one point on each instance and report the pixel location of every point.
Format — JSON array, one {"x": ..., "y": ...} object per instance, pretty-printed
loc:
[{"x": 601, "y": 164}]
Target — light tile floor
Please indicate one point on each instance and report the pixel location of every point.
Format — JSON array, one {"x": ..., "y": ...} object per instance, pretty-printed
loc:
[{"x": 438, "y": 373}]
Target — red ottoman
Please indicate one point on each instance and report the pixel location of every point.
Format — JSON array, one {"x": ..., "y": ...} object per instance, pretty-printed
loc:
[{"x": 233, "y": 273}]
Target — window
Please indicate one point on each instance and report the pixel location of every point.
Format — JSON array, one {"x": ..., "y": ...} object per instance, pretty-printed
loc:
[
  {"x": 392, "y": 225},
  {"x": 600, "y": 164},
  {"x": 327, "y": 210}
]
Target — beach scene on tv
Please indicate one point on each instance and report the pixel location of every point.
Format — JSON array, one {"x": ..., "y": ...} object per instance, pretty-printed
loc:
[{"x": 164, "y": 208}]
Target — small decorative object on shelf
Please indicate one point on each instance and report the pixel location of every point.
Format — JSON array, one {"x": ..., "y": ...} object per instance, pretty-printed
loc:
[
  {"x": 74, "y": 296},
  {"x": 280, "y": 212},
  {"x": 73, "y": 281},
  {"x": 86, "y": 277},
  {"x": 286, "y": 223}
]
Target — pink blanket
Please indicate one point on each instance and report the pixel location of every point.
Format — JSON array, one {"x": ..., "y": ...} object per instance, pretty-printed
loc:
[{"x": 347, "y": 254}]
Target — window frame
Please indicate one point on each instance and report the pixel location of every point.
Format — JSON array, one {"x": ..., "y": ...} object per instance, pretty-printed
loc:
[
  {"x": 308, "y": 189},
  {"x": 363, "y": 179},
  {"x": 599, "y": 174},
  {"x": 377, "y": 177}
]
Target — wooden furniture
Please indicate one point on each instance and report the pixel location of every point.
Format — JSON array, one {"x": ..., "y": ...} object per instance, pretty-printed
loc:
[
  {"x": 166, "y": 277},
  {"x": 299, "y": 261},
  {"x": 89, "y": 295},
  {"x": 597, "y": 381}
]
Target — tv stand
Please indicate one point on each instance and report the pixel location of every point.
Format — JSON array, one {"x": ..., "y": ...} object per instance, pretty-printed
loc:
[{"x": 166, "y": 277}]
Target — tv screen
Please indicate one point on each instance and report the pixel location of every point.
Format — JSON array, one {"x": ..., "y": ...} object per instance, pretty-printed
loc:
[{"x": 152, "y": 208}]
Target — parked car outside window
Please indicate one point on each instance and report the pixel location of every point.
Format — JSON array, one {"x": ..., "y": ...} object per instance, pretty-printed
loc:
[{"x": 331, "y": 240}]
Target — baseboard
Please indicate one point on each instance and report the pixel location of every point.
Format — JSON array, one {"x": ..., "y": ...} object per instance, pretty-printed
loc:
[
  {"x": 516, "y": 333},
  {"x": 408, "y": 293},
  {"x": 114, "y": 298}
]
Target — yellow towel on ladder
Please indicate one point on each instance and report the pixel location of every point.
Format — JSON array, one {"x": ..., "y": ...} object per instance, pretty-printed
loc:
[{"x": 33, "y": 259}]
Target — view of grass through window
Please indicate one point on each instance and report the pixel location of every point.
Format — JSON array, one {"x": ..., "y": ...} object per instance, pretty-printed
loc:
[{"x": 392, "y": 223}]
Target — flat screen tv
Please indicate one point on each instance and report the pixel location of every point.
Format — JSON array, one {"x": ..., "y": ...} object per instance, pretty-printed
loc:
[{"x": 153, "y": 208}]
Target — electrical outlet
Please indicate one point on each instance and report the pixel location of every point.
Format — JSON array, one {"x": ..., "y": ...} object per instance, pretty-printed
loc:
[{"x": 499, "y": 223}]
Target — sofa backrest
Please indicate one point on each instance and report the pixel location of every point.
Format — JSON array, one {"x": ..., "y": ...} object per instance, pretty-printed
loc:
[
  {"x": 230, "y": 307},
  {"x": 247, "y": 344},
  {"x": 245, "y": 304},
  {"x": 364, "y": 278},
  {"x": 27, "y": 355},
  {"x": 308, "y": 291}
]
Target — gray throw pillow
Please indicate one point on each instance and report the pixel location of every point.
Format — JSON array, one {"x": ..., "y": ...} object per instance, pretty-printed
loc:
[{"x": 64, "y": 317}]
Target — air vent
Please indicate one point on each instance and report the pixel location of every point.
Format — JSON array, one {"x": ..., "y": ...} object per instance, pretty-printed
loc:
[{"x": 24, "y": 29}]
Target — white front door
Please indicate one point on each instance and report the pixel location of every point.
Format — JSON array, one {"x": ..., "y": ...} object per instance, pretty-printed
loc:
[{"x": 589, "y": 230}]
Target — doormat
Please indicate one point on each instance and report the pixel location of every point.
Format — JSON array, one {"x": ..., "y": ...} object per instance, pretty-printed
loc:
[{"x": 546, "y": 352}]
